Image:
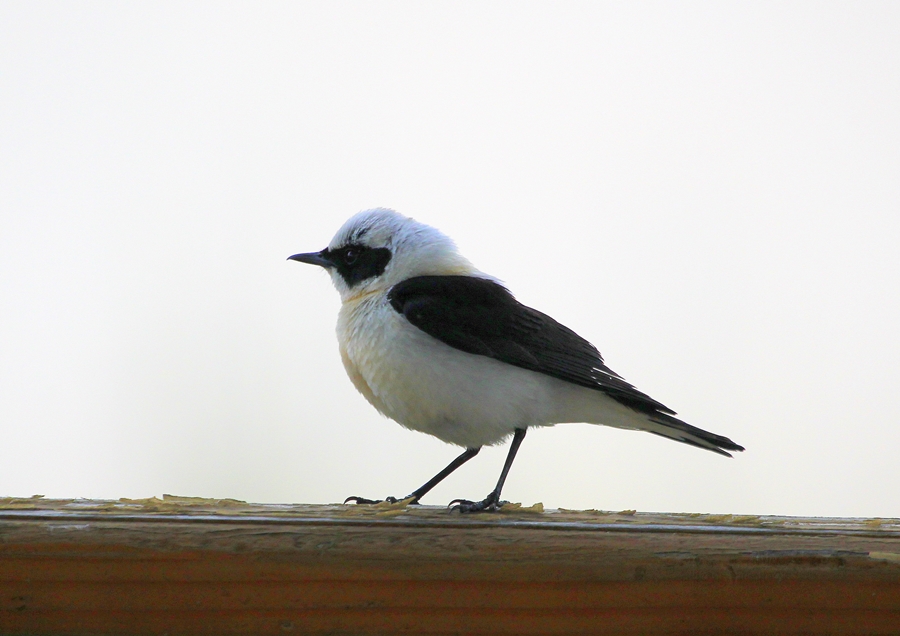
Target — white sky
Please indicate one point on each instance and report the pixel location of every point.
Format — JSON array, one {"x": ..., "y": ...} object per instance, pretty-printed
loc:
[{"x": 709, "y": 192}]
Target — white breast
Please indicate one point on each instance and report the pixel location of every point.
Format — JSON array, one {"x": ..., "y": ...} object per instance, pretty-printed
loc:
[{"x": 431, "y": 387}]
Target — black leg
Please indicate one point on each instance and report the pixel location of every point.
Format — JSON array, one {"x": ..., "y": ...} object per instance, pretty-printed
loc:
[
  {"x": 418, "y": 493},
  {"x": 492, "y": 501},
  {"x": 468, "y": 454}
]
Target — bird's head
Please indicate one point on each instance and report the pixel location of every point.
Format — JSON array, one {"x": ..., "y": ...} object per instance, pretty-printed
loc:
[{"x": 376, "y": 249}]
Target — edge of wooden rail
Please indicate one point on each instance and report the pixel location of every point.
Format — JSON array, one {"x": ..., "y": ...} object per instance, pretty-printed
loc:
[{"x": 183, "y": 565}]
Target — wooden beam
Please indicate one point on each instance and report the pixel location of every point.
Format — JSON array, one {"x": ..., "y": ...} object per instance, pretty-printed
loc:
[{"x": 197, "y": 566}]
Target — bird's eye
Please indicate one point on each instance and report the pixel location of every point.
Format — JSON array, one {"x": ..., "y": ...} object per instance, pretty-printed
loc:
[{"x": 350, "y": 256}]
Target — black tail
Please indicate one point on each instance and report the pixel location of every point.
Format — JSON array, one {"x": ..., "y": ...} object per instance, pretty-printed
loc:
[{"x": 675, "y": 429}]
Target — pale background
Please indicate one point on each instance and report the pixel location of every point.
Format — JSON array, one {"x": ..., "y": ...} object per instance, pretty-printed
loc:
[{"x": 709, "y": 192}]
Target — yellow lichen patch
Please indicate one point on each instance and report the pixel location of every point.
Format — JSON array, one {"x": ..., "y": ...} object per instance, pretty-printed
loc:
[
  {"x": 20, "y": 503},
  {"x": 356, "y": 510},
  {"x": 874, "y": 523},
  {"x": 589, "y": 511},
  {"x": 146, "y": 501},
  {"x": 746, "y": 519},
  {"x": 387, "y": 505},
  {"x": 391, "y": 513},
  {"x": 380, "y": 509},
  {"x": 176, "y": 503},
  {"x": 202, "y": 501},
  {"x": 517, "y": 507},
  {"x": 627, "y": 513}
]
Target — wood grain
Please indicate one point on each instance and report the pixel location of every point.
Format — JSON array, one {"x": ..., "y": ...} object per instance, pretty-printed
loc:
[{"x": 192, "y": 566}]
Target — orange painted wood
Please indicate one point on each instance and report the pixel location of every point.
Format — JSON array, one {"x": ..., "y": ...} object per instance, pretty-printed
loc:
[{"x": 199, "y": 567}]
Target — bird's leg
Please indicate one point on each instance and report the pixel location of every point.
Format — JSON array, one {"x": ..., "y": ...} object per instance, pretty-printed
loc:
[
  {"x": 418, "y": 493},
  {"x": 492, "y": 502},
  {"x": 466, "y": 455}
]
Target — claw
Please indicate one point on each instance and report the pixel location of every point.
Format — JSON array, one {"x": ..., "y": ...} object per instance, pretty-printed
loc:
[
  {"x": 490, "y": 503},
  {"x": 363, "y": 500}
]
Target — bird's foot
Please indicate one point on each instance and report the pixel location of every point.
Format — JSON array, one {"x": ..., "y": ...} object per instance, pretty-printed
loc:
[
  {"x": 410, "y": 501},
  {"x": 491, "y": 503},
  {"x": 363, "y": 500}
]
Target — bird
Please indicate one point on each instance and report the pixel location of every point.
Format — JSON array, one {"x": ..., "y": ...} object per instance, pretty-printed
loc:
[{"x": 443, "y": 348}]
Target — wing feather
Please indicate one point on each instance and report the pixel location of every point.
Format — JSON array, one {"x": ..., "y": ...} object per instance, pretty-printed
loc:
[{"x": 480, "y": 316}]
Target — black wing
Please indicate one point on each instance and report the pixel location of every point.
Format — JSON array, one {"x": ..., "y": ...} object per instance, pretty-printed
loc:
[{"x": 481, "y": 316}]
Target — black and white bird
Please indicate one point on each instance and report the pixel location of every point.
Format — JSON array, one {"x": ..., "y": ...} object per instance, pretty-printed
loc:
[{"x": 443, "y": 348}]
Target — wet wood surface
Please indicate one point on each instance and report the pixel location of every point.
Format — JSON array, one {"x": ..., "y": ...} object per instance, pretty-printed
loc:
[{"x": 182, "y": 565}]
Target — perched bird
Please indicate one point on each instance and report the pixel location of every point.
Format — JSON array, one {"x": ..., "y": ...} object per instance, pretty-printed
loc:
[{"x": 442, "y": 348}]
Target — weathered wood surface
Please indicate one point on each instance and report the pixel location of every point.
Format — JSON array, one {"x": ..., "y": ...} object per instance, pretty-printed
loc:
[{"x": 196, "y": 566}]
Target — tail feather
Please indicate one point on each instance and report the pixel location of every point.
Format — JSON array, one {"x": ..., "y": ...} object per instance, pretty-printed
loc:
[
  {"x": 578, "y": 404},
  {"x": 675, "y": 429}
]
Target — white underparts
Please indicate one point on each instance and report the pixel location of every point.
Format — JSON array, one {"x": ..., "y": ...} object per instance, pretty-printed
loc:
[{"x": 460, "y": 398}]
